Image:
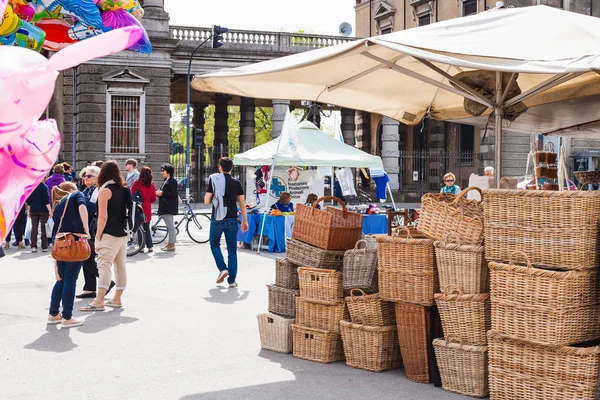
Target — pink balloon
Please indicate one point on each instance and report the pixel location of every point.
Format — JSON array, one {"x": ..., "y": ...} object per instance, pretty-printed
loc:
[{"x": 3, "y": 4}]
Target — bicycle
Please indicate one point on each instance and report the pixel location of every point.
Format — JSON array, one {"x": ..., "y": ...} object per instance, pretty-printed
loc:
[{"x": 197, "y": 226}]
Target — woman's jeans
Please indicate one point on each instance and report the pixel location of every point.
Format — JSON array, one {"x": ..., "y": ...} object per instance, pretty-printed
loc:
[
  {"x": 229, "y": 227},
  {"x": 64, "y": 290},
  {"x": 148, "y": 234},
  {"x": 170, "y": 223}
]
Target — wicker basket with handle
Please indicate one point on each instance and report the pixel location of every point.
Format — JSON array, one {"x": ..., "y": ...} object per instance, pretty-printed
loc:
[
  {"x": 275, "y": 332},
  {"x": 282, "y": 301},
  {"x": 558, "y": 230},
  {"x": 330, "y": 229},
  {"x": 466, "y": 317},
  {"x": 553, "y": 307},
  {"x": 374, "y": 348},
  {"x": 360, "y": 267},
  {"x": 320, "y": 284},
  {"x": 522, "y": 369},
  {"x": 370, "y": 309},
  {"x": 320, "y": 314},
  {"x": 413, "y": 323},
  {"x": 463, "y": 368},
  {"x": 317, "y": 344},
  {"x": 310, "y": 256},
  {"x": 406, "y": 268},
  {"x": 461, "y": 265},
  {"x": 439, "y": 217},
  {"x": 286, "y": 274}
]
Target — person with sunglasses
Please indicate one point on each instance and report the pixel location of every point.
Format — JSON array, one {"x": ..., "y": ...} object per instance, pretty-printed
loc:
[{"x": 450, "y": 184}]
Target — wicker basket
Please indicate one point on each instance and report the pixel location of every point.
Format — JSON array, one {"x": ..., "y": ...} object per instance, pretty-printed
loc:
[
  {"x": 374, "y": 348},
  {"x": 330, "y": 229},
  {"x": 463, "y": 368},
  {"x": 438, "y": 216},
  {"x": 413, "y": 323},
  {"x": 282, "y": 301},
  {"x": 406, "y": 269},
  {"x": 587, "y": 177},
  {"x": 360, "y": 268},
  {"x": 529, "y": 370},
  {"x": 319, "y": 314},
  {"x": 275, "y": 332},
  {"x": 370, "y": 309},
  {"x": 313, "y": 257},
  {"x": 461, "y": 265},
  {"x": 286, "y": 274},
  {"x": 317, "y": 345},
  {"x": 556, "y": 229},
  {"x": 554, "y": 307},
  {"x": 466, "y": 317},
  {"x": 320, "y": 284}
]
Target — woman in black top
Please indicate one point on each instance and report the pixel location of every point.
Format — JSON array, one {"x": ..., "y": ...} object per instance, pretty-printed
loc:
[
  {"x": 168, "y": 204},
  {"x": 111, "y": 237},
  {"x": 39, "y": 212}
]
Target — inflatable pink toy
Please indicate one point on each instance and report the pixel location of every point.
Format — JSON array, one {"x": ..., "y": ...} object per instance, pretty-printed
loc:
[{"x": 29, "y": 147}]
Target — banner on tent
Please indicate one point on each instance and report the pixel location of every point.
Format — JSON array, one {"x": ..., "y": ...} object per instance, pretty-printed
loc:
[{"x": 297, "y": 182}]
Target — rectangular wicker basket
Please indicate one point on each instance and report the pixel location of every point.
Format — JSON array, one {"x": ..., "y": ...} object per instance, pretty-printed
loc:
[
  {"x": 463, "y": 368},
  {"x": 465, "y": 317},
  {"x": 282, "y": 301},
  {"x": 522, "y": 369},
  {"x": 320, "y": 284},
  {"x": 374, "y": 348},
  {"x": 320, "y": 314},
  {"x": 413, "y": 323},
  {"x": 556, "y": 229},
  {"x": 317, "y": 344},
  {"x": 306, "y": 255},
  {"x": 370, "y": 309},
  {"x": 360, "y": 268},
  {"x": 286, "y": 274},
  {"x": 275, "y": 332},
  {"x": 553, "y": 307},
  {"x": 461, "y": 265},
  {"x": 330, "y": 229}
]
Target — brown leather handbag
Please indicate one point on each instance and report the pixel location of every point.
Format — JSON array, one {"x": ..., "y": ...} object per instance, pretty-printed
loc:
[{"x": 70, "y": 247}]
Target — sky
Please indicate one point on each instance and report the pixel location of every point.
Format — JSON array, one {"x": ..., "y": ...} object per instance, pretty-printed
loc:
[{"x": 312, "y": 16}]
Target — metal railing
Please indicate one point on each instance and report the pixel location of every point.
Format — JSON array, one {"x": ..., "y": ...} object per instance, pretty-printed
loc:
[{"x": 284, "y": 42}]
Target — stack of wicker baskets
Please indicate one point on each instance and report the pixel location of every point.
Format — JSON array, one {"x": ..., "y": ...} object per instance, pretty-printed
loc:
[
  {"x": 464, "y": 308},
  {"x": 275, "y": 327},
  {"x": 546, "y": 312},
  {"x": 407, "y": 277}
]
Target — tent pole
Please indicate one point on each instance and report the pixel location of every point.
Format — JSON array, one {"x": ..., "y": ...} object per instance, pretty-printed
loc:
[
  {"x": 498, "y": 116},
  {"x": 391, "y": 197}
]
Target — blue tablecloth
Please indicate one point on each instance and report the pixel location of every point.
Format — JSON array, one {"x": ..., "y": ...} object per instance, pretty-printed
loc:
[{"x": 278, "y": 229}]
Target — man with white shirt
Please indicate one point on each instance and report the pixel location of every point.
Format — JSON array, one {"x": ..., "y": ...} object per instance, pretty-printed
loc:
[{"x": 132, "y": 173}]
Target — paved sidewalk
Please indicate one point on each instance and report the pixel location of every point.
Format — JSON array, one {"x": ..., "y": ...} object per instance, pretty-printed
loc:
[{"x": 178, "y": 337}]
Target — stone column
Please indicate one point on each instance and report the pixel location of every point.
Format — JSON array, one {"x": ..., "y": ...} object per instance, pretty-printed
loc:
[
  {"x": 247, "y": 124},
  {"x": 221, "y": 117},
  {"x": 280, "y": 108},
  {"x": 156, "y": 19},
  {"x": 363, "y": 131},
  {"x": 348, "y": 126},
  {"x": 390, "y": 152}
]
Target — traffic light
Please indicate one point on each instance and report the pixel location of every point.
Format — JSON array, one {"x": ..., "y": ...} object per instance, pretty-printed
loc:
[
  {"x": 217, "y": 36},
  {"x": 198, "y": 137}
]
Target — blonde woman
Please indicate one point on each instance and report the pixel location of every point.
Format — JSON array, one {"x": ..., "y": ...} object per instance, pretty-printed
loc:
[{"x": 450, "y": 184}]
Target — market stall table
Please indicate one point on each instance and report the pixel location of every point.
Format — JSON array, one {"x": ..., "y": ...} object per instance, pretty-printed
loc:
[{"x": 279, "y": 228}]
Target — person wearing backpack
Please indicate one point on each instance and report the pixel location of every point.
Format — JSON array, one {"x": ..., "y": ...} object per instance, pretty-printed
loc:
[
  {"x": 114, "y": 201},
  {"x": 144, "y": 192}
]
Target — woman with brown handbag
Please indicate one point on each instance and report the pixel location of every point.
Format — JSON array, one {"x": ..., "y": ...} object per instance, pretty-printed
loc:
[
  {"x": 114, "y": 198},
  {"x": 70, "y": 217}
]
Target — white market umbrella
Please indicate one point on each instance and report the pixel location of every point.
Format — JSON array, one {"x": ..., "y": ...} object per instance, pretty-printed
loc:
[{"x": 522, "y": 58}]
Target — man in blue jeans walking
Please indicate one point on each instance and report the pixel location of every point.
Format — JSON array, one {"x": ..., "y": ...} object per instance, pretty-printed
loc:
[{"x": 224, "y": 192}]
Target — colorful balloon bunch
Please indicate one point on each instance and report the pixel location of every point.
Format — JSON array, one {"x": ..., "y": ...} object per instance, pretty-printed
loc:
[
  {"x": 56, "y": 24},
  {"x": 29, "y": 147}
]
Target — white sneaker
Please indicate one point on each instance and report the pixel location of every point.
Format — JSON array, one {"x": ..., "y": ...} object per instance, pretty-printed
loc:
[
  {"x": 34, "y": 249},
  {"x": 44, "y": 250},
  {"x": 56, "y": 319},
  {"x": 71, "y": 323},
  {"x": 233, "y": 285},
  {"x": 222, "y": 275}
]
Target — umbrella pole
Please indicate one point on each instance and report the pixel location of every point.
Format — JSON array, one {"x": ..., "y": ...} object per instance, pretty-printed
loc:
[
  {"x": 262, "y": 226},
  {"x": 498, "y": 116}
]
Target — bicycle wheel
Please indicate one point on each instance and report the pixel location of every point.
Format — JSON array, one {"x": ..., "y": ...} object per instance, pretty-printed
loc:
[
  {"x": 136, "y": 243},
  {"x": 198, "y": 228},
  {"x": 158, "y": 229}
]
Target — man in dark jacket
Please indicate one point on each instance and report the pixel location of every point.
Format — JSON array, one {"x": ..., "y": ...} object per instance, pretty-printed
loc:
[
  {"x": 168, "y": 204},
  {"x": 39, "y": 212}
]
